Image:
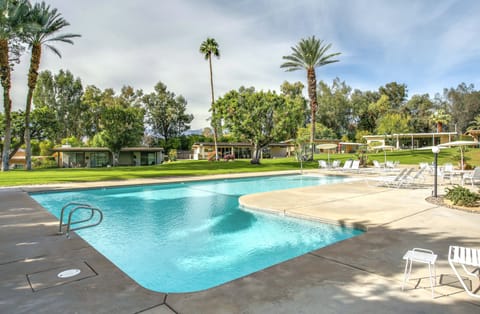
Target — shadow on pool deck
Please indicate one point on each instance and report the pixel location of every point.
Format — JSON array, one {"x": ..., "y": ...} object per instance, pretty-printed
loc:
[{"x": 358, "y": 275}]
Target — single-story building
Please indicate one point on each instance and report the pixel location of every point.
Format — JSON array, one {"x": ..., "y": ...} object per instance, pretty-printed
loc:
[
  {"x": 412, "y": 140},
  {"x": 18, "y": 159},
  {"x": 93, "y": 157},
  {"x": 203, "y": 150}
]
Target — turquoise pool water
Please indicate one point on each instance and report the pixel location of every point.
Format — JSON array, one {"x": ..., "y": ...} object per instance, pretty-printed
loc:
[{"x": 192, "y": 236}]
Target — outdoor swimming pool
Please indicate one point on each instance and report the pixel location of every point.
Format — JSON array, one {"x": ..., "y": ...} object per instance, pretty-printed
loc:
[{"x": 187, "y": 237}]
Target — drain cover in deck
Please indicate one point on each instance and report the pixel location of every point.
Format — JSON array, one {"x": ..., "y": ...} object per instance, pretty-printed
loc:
[{"x": 60, "y": 276}]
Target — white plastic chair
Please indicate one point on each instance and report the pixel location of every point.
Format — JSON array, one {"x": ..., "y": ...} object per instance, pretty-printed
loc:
[
  {"x": 473, "y": 176},
  {"x": 421, "y": 256}
]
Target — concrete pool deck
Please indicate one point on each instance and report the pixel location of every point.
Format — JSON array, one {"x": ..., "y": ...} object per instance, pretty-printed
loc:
[{"x": 359, "y": 275}]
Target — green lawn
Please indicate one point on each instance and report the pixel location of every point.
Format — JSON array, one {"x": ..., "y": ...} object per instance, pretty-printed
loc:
[{"x": 197, "y": 168}]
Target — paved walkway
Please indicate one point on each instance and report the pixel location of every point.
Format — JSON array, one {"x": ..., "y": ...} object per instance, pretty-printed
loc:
[{"x": 359, "y": 275}]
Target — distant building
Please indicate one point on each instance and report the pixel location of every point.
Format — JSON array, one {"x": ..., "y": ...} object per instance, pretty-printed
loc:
[
  {"x": 412, "y": 140},
  {"x": 18, "y": 160},
  {"x": 202, "y": 151},
  {"x": 94, "y": 157}
]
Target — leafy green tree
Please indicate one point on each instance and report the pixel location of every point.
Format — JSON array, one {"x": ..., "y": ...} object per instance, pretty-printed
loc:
[
  {"x": 396, "y": 93},
  {"x": 419, "y": 108},
  {"x": 122, "y": 127},
  {"x": 463, "y": 105},
  {"x": 166, "y": 114},
  {"x": 208, "y": 48},
  {"x": 257, "y": 117},
  {"x": 392, "y": 123},
  {"x": 62, "y": 93},
  {"x": 334, "y": 107},
  {"x": 309, "y": 54},
  {"x": 45, "y": 148},
  {"x": 13, "y": 17},
  {"x": 363, "y": 118},
  {"x": 48, "y": 23},
  {"x": 44, "y": 124},
  {"x": 72, "y": 141}
]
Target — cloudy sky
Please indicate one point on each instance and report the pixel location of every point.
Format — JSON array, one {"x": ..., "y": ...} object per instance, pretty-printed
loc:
[{"x": 427, "y": 45}]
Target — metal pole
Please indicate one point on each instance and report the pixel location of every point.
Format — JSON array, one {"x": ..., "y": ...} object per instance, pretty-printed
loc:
[{"x": 435, "y": 176}]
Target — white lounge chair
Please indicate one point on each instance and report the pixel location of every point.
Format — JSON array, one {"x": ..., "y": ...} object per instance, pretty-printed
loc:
[
  {"x": 355, "y": 166},
  {"x": 473, "y": 176},
  {"x": 346, "y": 165},
  {"x": 458, "y": 255},
  {"x": 335, "y": 164},
  {"x": 388, "y": 180},
  {"x": 409, "y": 180},
  {"x": 378, "y": 166},
  {"x": 322, "y": 164}
]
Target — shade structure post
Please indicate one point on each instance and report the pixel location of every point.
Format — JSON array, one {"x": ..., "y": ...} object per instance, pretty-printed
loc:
[{"x": 435, "y": 151}]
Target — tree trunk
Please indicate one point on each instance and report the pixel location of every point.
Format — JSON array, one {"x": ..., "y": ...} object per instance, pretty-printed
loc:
[
  {"x": 7, "y": 102},
  {"x": 439, "y": 127},
  {"x": 312, "y": 94},
  {"x": 214, "y": 124},
  {"x": 32, "y": 82},
  {"x": 256, "y": 155}
]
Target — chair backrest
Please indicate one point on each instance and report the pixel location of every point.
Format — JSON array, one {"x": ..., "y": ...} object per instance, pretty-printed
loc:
[
  {"x": 322, "y": 164},
  {"x": 405, "y": 177},
  {"x": 376, "y": 164},
  {"x": 419, "y": 173},
  {"x": 347, "y": 164},
  {"x": 402, "y": 174},
  {"x": 476, "y": 173},
  {"x": 447, "y": 167},
  {"x": 355, "y": 165},
  {"x": 423, "y": 165},
  {"x": 335, "y": 163}
]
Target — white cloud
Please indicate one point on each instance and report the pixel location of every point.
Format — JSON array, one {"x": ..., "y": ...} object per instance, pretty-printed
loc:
[{"x": 427, "y": 45}]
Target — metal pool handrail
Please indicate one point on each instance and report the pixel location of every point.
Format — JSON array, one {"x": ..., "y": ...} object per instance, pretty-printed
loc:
[{"x": 77, "y": 207}]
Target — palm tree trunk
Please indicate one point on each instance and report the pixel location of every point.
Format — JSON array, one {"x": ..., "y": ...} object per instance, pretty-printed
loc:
[
  {"x": 214, "y": 125},
  {"x": 32, "y": 82},
  {"x": 312, "y": 94},
  {"x": 7, "y": 102}
]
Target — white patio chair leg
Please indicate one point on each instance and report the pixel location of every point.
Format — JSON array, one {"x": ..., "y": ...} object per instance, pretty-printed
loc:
[
  {"x": 405, "y": 276},
  {"x": 431, "y": 279}
]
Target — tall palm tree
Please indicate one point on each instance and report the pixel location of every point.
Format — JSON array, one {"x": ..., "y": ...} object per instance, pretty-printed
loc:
[
  {"x": 309, "y": 54},
  {"x": 208, "y": 48},
  {"x": 13, "y": 15},
  {"x": 440, "y": 117},
  {"x": 474, "y": 128},
  {"x": 48, "y": 23}
]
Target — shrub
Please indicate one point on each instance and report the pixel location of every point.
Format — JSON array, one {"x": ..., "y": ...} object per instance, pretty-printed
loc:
[
  {"x": 44, "y": 162},
  {"x": 172, "y": 155},
  {"x": 462, "y": 196}
]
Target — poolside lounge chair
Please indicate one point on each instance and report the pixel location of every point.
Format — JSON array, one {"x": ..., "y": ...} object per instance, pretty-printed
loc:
[
  {"x": 335, "y": 164},
  {"x": 473, "y": 176},
  {"x": 355, "y": 166},
  {"x": 378, "y": 166},
  {"x": 409, "y": 180},
  {"x": 389, "y": 180},
  {"x": 346, "y": 165},
  {"x": 458, "y": 255},
  {"x": 322, "y": 164}
]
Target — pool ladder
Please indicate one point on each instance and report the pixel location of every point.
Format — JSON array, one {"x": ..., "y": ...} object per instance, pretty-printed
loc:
[{"x": 76, "y": 207}]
